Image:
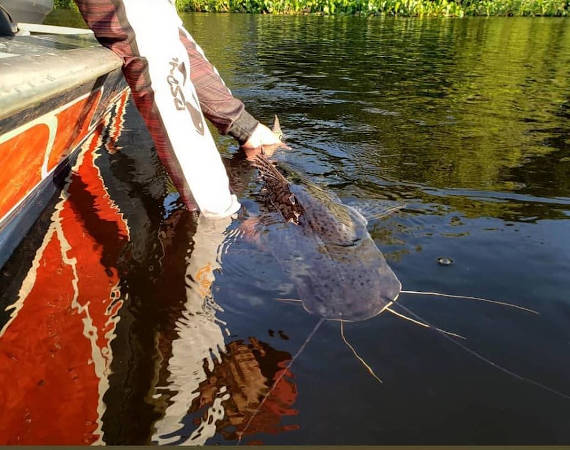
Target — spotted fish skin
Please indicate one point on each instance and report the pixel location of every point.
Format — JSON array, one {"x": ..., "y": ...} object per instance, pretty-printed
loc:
[
  {"x": 277, "y": 191},
  {"x": 325, "y": 248}
]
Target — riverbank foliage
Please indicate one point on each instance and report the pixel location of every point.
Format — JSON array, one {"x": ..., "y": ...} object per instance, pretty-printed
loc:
[{"x": 404, "y": 8}]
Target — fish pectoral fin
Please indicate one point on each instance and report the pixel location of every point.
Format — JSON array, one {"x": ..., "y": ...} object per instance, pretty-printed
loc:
[
  {"x": 248, "y": 229},
  {"x": 291, "y": 300},
  {"x": 376, "y": 211}
]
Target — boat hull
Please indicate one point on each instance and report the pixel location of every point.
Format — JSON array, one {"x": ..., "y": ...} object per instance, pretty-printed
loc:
[{"x": 54, "y": 93}]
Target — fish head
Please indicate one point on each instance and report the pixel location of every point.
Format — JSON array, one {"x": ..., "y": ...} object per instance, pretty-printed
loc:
[
  {"x": 337, "y": 269},
  {"x": 351, "y": 284},
  {"x": 339, "y": 272}
]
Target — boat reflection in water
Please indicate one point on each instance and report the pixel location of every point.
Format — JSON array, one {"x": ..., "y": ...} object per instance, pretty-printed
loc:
[
  {"x": 212, "y": 387},
  {"x": 110, "y": 332},
  {"x": 55, "y": 347}
]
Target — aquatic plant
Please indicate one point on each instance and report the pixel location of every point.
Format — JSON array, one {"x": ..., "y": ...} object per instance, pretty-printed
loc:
[{"x": 407, "y": 8}]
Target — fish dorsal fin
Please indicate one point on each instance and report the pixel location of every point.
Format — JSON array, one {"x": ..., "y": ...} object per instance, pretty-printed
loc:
[{"x": 277, "y": 128}]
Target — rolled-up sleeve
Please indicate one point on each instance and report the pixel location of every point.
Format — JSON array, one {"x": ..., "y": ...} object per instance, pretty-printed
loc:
[{"x": 220, "y": 107}]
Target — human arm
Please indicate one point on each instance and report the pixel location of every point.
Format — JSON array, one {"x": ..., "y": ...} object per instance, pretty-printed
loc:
[
  {"x": 145, "y": 34},
  {"x": 226, "y": 112}
]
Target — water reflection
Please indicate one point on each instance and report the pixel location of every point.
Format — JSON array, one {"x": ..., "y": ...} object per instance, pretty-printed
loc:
[
  {"x": 207, "y": 387},
  {"x": 55, "y": 340}
]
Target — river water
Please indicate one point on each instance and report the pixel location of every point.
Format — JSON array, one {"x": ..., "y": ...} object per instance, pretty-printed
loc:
[{"x": 161, "y": 334}]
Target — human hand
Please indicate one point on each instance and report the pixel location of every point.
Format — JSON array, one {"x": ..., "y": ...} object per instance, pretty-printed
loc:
[
  {"x": 262, "y": 140},
  {"x": 262, "y": 136}
]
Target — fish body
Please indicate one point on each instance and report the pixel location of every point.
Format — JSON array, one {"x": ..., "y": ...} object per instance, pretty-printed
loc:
[{"x": 323, "y": 245}]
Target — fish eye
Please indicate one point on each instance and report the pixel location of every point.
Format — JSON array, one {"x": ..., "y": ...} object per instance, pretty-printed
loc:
[{"x": 349, "y": 243}]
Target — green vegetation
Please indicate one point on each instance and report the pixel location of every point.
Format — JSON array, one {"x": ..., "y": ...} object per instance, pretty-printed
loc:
[
  {"x": 404, "y": 8},
  {"x": 445, "y": 8},
  {"x": 65, "y": 4}
]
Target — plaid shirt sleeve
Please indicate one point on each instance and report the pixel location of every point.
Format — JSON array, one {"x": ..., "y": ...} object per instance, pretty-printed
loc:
[{"x": 220, "y": 107}]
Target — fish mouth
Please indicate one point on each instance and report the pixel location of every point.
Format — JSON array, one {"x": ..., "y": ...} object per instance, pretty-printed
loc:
[
  {"x": 347, "y": 315},
  {"x": 357, "y": 310}
]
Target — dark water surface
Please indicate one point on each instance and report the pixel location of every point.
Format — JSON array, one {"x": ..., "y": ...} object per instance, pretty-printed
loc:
[{"x": 465, "y": 122}]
